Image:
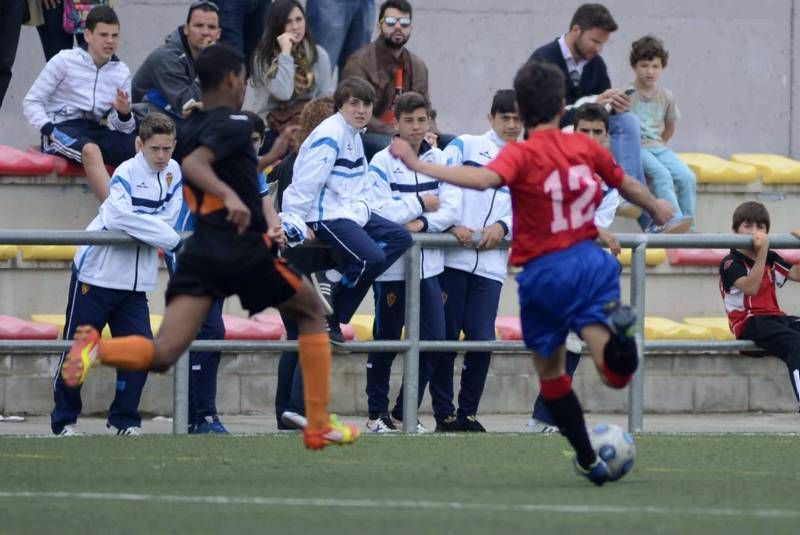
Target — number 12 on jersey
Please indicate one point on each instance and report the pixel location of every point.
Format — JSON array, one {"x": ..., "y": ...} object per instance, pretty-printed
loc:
[{"x": 575, "y": 211}]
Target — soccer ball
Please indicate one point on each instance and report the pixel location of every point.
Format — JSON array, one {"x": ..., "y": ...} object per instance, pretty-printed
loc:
[{"x": 615, "y": 446}]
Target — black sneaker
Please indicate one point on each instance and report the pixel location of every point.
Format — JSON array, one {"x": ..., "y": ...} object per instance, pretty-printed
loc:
[
  {"x": 621, "y": 321},
  {"x": 447, "y": 425},
  {"x": 326, "y": 289},
  {"x": 470, "y": 424},
  {"x": 334, "y": 330}
]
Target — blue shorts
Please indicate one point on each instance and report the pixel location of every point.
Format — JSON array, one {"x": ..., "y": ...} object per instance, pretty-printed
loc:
[{"x": 565, "y": 290}]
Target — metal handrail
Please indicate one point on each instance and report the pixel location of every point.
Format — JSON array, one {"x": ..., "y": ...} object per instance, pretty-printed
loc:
[{"x": 412, "y": 346}]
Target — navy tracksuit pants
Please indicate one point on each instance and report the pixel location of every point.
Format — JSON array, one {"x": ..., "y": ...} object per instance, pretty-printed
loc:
[
  {"x": 289, "y": 391},
  {"x": 388, "y": 325},
  {"x": 363, "y": 254},
  {"x": 470, "y": 305},
  {"x": 126, "y": 313},
  {"x": 204, "y": 366},
  {"x": 540, "y": 411}
]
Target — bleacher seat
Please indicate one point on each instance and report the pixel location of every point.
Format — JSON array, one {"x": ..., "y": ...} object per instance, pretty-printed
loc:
[
  {"x": 64, "y": 167},
  {"x": 652, "y": 257},
  {"x": 8, "y": 252},
  {"x": 718, "y": 326},
  {"x": 710, "y": 169},
  {"x": 16, "y": 162},
  {"x": 362, "y": 326},
  {"x": 656, "y": 328},
  {"x": 48, "y": 252},
  {"x": 508, "y": 328},
  {"x": 237, "y": 328},
  {"x": 773, "y": 168},
  {"x": 790, "y": 255},
  {"x": 12, "y": 328},
  {"x": 275, "y": 319},
  {"x": 57, "y": 320},
  {"x": 696, "y": 257}
]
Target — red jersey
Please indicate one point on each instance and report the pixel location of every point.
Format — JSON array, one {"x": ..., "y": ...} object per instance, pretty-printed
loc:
[
  {"x": 741, "y": 307},
  {"x": 554, "y": 192}
]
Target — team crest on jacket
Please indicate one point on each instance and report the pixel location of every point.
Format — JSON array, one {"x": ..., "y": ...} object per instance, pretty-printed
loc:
[
  {"x": 85, "y": 288},
  {"x": 169, "y": 179},
  {"x": 391, "y": 299}
]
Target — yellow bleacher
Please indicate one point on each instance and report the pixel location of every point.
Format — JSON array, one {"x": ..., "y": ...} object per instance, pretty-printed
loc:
[
  {"x": 652, "y": 257},
  {"x": 48, "y": 252},
  {"x": 710, "y": 169},
  {"x": 718, "y": 326},
  {"x": 8, "y": 252},
  {"x": 773, "y": 168},
  {"x": 657, "y": 328}
]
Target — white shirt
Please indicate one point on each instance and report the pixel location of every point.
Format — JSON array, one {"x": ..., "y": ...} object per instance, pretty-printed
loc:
[{"x": 572, "y": 64}]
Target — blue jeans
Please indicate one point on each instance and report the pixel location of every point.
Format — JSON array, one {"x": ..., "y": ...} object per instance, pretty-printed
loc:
[
  {"x": 242, "y": 23},
  {"x": 341, "y": 26},
  {"x": 671, "y": 179},
  {"x": 626, "y": 145}
]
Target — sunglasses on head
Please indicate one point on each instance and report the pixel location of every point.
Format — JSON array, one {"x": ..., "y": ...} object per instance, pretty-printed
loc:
[{"x": 405, "y": 22}]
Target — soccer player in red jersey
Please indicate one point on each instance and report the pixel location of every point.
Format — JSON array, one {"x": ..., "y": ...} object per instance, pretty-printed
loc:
[{"x": 567, "y": 282}]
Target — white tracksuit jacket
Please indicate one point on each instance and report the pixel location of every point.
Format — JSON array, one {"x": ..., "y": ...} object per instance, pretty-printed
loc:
[
  {"x": 330, "y": 175},
  {"x": 480, "y": 209},
  {"x": 396, "y": 194},
  {"x": 144, "y": 204}
]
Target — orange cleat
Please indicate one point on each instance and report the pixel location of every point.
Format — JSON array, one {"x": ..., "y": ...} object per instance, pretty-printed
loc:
[
  {"x": 335, "y": 433},
  {"x": 81, "y": 357}
]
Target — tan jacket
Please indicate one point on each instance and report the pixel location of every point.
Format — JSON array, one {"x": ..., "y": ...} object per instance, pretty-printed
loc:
[{"x": 376, "y": 64}]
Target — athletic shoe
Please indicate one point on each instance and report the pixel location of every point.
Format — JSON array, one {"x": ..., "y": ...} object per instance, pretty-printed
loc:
[
  {"x": 447, "y": 425},
  {"x": 293, "y": 420},
  {"x": 131, "y": 431},
  {"x": 71, "y": 431},
  {"x": 621, "y": 321},
  {"x": 381, "y": 424},
  {"x": 208, "y": 426},
  {"x": 334, "y": 330},
  {"x": 538, "y": 426},
  {"x": 326, "y": 289},
  {"x": 81, "y": 357},
  {"x": 335, "y": 433},
  {"x": 470, "y": 424},
  {"x": 678, "y": 225},
  {"x": 597, "y": 473},
  {"x": 421, "y": 429}
]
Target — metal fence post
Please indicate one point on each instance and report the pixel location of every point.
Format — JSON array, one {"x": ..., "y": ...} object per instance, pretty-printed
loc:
[
  {"x": 636, "y": 390},
  {"x": 411, "y": 358},
  {"x": 180, "y": 395}
]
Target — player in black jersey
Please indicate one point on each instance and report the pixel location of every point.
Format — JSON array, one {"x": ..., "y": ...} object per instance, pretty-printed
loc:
[{"x": 232, "y": 251}]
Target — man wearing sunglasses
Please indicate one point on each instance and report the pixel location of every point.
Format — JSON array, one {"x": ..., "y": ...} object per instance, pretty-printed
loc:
[{"x": 390, "y": 68}]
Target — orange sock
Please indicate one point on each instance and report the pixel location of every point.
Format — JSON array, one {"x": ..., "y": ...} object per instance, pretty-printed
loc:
[
  {"x": 129, "y": 353},
  {"x": 315, "y": 362}
]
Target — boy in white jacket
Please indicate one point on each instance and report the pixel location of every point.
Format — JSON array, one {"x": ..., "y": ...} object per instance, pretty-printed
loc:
[
  {"x": 109, "y": 283},
  {"x": 80, "y": 102},
  {"x": 421, "y": 204}
]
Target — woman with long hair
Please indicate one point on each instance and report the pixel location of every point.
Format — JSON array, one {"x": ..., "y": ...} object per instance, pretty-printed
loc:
[{"x": 289, "y": 68}]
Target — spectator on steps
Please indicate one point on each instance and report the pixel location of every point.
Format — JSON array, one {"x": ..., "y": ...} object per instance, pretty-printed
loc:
[
  {"x": 658, "y": 115},
  {"x": 341, "y": 26},
  {"x": 167, "y": 80},
  {"x": 109, "y": 283},
  {"x": 90, "y": 124},
  {"x": 289, "y": 69}
]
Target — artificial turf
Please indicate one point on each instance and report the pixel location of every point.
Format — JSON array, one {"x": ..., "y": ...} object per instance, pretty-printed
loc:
[{"x": 492, "y": 483}]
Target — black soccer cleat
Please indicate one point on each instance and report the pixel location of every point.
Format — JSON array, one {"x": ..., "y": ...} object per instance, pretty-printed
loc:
[
  {"x": 448, "y": 424},
  {"x": 470, "y": 424}
]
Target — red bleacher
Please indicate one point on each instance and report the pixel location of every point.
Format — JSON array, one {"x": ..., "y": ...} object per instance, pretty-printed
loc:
[
  {"x": 274, "y": 319},
  {"x": 696, "y": 257},
  {"x": 237, "y": 328},
  {"x": 12, "y": 328},
  {"x": 16, "y": 162},
  {"x": 508, "y": 328}
]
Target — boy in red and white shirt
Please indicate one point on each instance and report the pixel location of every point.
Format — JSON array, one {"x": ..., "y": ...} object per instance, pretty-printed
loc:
[{"x": 747, "y": 281}]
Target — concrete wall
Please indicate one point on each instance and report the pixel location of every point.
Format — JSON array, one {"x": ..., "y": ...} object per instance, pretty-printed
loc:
[
  {"x": 246, "y": 384},
  {"x": 731, "y": 61}
]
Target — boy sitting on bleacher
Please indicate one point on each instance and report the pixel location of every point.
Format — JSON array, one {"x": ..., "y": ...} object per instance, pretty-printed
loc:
[
  {"x": 80, "y": 102},
  {"x": 747, "y": 282},
  {"x": 109, "y": 283}
]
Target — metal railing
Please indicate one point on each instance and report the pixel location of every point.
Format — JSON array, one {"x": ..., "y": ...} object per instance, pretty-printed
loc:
[{"x": 412, "y": 345}]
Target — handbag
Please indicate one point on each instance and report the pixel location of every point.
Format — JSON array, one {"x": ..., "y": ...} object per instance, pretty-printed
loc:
[
  {"x": 75, "y": 13},
  {"x": 285, "y": 115}
]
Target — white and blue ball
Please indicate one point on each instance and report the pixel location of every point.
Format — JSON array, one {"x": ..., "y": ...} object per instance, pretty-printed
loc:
[{"x": 615, "y": 446}]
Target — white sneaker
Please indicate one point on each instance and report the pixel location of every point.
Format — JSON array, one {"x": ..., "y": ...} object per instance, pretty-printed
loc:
[
  {"x": 293, "y": 419},
  {"x": 382, "y": 424},
  {"x": 132, "y": 431},
  {"x": 537, "y": 426},
  {"x": 71, "y": 431},
  {"x": 421, "y": 429}
]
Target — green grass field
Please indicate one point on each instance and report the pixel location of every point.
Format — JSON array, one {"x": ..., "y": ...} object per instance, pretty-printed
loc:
[{"x": 494, "y": 483}]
